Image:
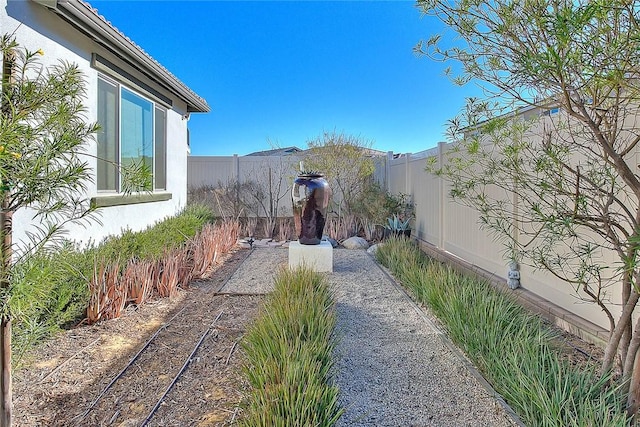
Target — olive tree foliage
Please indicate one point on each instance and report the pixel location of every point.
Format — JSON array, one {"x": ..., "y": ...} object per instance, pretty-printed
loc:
[
  {"x": 558, "y": 177},
  {"x": 346, "y": 162},
  {"x": 44, "y": 130}
]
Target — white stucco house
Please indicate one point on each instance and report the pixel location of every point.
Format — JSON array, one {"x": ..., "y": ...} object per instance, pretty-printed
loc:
[{"x": 142, "y": 108}]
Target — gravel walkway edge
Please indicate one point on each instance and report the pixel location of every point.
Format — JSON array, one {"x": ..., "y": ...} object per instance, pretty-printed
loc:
[{"x": 454, "y": 348}]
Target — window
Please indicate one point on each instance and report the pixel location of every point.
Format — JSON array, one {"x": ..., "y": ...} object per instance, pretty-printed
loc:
[{"x": 132, "y": 132}]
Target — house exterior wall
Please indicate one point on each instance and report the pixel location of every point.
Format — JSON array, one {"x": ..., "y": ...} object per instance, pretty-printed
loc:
[{"x": 36, "y": 27}]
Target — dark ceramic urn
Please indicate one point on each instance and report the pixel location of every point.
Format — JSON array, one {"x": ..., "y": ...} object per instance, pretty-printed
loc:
[{"x": 310, "y": 197}]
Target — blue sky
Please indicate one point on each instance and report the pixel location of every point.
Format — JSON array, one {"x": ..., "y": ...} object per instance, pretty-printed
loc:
[{"x": 282, "y": 73}]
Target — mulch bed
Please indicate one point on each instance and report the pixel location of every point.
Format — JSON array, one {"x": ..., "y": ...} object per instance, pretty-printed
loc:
[{"x": 64, "y": 382}]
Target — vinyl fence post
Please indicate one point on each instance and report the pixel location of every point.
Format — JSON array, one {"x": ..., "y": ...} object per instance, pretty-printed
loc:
[
  {"x": 442, "y": 199},
  {"x": 236, "y": 177},
  {"x": 407, "y": 174},
  {"x": 387, "y": 170}
]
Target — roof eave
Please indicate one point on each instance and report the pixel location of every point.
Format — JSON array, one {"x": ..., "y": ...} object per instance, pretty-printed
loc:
[{"x": 85, "y": 18}]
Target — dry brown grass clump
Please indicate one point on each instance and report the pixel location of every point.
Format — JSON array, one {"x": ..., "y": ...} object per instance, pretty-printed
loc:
[{"x": 113, "y": 288}]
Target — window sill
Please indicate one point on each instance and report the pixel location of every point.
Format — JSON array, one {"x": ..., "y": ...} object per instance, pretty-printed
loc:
[{"x": 131, "y": 199}]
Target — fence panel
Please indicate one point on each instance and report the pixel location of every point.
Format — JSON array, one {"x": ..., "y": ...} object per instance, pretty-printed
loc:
[
  {"x": 426, "y": 195},
  {"x": 454, "y": 228},
  {"x": 209, "y": 171},
  {"x": 266, "y": 179},
  {"x": 274, "y": 176}
]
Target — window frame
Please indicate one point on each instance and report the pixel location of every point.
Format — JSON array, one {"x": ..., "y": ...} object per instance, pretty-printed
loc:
[{"x": 156, "y": 107}]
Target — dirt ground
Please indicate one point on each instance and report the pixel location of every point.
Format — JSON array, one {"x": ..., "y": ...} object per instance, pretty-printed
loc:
[{"x": 79, "y": 378}]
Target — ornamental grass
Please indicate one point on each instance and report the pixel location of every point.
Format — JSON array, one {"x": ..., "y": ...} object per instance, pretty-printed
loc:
[
  {"x": 139, "y": 277},
  {"x": 112, "y": 288},
  {"x": 108, "y": 294},
  {"x": 209, "y": 244},
  {"x": 289, "y": 355},
  {"x": 50, "y": 289},
  {"x": 513, "y": 348}
]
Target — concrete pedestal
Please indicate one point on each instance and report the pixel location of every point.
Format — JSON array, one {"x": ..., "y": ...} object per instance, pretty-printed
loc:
[{"x": 316, "y": 257}]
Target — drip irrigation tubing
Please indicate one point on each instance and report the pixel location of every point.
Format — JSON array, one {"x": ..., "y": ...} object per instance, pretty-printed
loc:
[
  {"x": 128, "y": 365},
  {"x": 181, "y": 371},
  {"x": 144, "y": 347}
]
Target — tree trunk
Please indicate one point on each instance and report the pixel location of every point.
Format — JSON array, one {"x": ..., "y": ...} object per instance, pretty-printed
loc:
[
  {"x": 5, "y": 380},
  {"x": 633, "y": 398},
  {"x": 617, "y": 333},
  {"x": 630, "y": 360},
  {"x": 6, "y": 397},
  {"x": 625, "y": 341}
]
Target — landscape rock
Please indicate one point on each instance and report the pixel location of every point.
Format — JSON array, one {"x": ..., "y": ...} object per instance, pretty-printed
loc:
[
  {"x": 333, "y": 242},
  {"x": 373, "y": 248},
  {"x": 355, "y": 242}
]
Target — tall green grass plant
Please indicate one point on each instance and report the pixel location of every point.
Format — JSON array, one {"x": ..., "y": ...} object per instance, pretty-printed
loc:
[
  {"x": 289, "y": 350},
  {"x": 512, "y": 347}
]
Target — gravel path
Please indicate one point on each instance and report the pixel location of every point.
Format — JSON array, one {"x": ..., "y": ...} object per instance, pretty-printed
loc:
[
  {"x": 393, "y": 366},
  {"x": 257, "y": 272}
]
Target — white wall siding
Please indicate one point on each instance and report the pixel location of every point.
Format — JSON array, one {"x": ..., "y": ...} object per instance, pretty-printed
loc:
[{"x": 177, "y": 153}]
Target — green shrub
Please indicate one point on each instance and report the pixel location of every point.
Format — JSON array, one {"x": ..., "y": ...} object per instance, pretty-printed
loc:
[
  {"x": 49, "y": 290},
  {"x": 201, "y": 211},
  {"x": 152, "y": 242},
  {"x": 376, "y": 205},
  {"x": 289, "y": 351},
  {"x": 512, "y": 348}
]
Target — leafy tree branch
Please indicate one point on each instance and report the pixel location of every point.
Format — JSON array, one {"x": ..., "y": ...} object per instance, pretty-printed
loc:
[{"x": 548, "y": 159}]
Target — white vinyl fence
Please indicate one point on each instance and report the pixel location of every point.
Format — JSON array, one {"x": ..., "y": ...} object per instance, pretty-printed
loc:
[
  {"x": 442, "y": 226},
  {"x": 274, "y": 174},
  {"x": 453, "y": 230}
]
